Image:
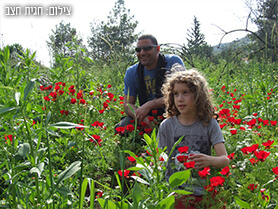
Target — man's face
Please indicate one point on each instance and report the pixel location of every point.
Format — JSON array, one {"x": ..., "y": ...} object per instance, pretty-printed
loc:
[{"x": 148, "y": 58}]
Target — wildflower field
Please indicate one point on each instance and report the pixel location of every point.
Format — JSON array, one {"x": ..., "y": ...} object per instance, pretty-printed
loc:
[{"x": 59, "y": 148}]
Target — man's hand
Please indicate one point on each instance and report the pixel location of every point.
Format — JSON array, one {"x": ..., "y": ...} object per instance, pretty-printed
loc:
[{"x": 142, "y": 112}]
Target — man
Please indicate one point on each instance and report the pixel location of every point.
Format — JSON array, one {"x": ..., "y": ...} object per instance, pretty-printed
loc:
[{"x": 144, "y": 80}]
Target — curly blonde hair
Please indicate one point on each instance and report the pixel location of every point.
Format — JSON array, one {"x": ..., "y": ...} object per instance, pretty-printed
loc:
[{"x": 197, "y": 84}]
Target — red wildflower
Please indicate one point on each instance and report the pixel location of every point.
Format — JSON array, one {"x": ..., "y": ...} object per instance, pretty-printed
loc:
[
  {"x": 125, "y": 174},
  {"x": 252, "y": 187},
  {"x": 148, "y": 130},
  {"x": 233, "y": 131},
  {"x": 99, "y": 194},
  {"x": 10, "y": 137},
  {"x": 109, "y": 86},
  {"x": 154, "y": 112},
  {"x": 183, "y": 149},
  {"x": 268, "y": 144},
  {"x": 209, "y": 188},
  {"x": 250, "y": 149},
  {"x": 82, "y": 101},
  {"x": 130, "y": 128},
  {"x": 79, "y": 95},
  {"x": 204, "y": 173},
  {"x": 105, "y": 105},
  {"x": 261, "y": 155},
  {"x": 217, "y": 180},
  {"x": 273, "y": 122},
  {"x": 131, "y": 159},
  {"x": 225, "y": 171},
  {"x": 182, "y": 158},
  {"x": 121, "y": 98},
  {"x": 120, "y": 130},
  {"x": 80, "y": 128},
  {"x": 275, "y": 170},
  {"x": 189, "y": 164},
  {"x": 101, "y": 111},
  {"x": 253, "y": 161},
  {"x": 151, "y": 118},
  {"x": 73, "y": 101},
  {"x": 96, "y": 139},
  {"x": 231, "y": 156},
  {"x": 143, "y": 124}
]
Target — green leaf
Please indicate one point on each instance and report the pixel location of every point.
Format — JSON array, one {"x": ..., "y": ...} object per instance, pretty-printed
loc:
[
  {"x": 148, "y": 139},
  {"x": 242, "y": 203},
  {"x": 179, "y": 178},
  {"x": 29, "y": 88},
  {"x": 183, "y": 192},
  {"x": 72, "y": 169},
  {"x": 166, "y": 203},
  {"x": 136, "y": 194},
  {"x": 92, "y": 192},
  {"x": 83, "y": 191},
  {"x": 66, "y": 125},
  {"x": 63, "y": 191},
  {"x": 6, "y": 109},
  {"x": 106, "y": 203}
]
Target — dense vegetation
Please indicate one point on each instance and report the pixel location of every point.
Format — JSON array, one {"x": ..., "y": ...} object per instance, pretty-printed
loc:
[{"x": 59, "y": 148}]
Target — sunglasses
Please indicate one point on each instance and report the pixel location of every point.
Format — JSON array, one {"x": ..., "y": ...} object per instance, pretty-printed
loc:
[{"x": 145, "y": 48}]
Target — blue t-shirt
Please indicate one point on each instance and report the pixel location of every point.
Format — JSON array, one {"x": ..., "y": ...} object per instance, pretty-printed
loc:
[{"x": 131, "y": 77}]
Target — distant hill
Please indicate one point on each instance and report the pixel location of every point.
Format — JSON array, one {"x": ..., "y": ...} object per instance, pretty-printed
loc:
[{"x": 235, "y": 44}]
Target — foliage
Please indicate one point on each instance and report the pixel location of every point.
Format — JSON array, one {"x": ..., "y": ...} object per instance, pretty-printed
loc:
[
  {"x": 196, "y": 43},
  {"x": 62, "y": 41},
  {"x": 114, "y": 36}
]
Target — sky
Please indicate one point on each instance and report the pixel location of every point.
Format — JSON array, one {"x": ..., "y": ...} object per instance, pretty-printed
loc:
[{"x": 167, "y": 20}]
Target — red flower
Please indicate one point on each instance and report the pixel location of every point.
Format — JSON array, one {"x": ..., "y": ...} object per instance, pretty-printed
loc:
[
  {"x": 261, "y": 155},
  {"x": 273, "y": 122},
  {"x": 46, "y": 98},
  {"x": 275, "y": 171},
  {"x": 217, "y": 180},
  {"x": 154, "y": 112},
  {"x": 96, "y": 140},
  {"x": 183, "y": 149},
  {"x": 82, "y": 101},
  {"x": 120, "y": 130},
  {"x": 131, "y": 159},
  {"x": 231, "y": 156},
  {"x": 130, "y": 128},
  {"x": 121, "y": 98},
  {"x": 125, "y": 174},
  {"x": 268, "y": 144},
  {"x": 204, "y": 173},
  {"x": 251, "y": 149},
  {"x": 73, "y": 101},
  {"x": 233, "y": 132},
  {"x": 182, "y": 158},
  {"x": 101, "y": 111},
  {"x": 109, "y": 86},
  {"x": 99, "y": 194},
  {"x": 253, "y": 161},
  {"x": 151, "y": 118},
  {"x": 80, "y": 128},
  {"x": 225, "y": 171},
  {"x": 10, "y": 137},
  {"x": 148, "y": 130},
  {"x": 252, "y": 187},
  {"x": 189, "y": 164}
]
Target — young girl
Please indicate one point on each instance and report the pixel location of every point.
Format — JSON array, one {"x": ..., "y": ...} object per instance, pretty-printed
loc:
[{"x": 189, "y": 114}]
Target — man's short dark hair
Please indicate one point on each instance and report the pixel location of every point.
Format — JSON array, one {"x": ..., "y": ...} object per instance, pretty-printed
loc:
[{"x": 148, "y": 36}]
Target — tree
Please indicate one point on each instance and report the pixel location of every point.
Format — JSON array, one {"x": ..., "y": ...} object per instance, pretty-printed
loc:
[
  {"x": 62, "y": 40},
  {"x": 266, "y": 17},
  {"x": 114, "y": 36},
  {"x": 196, "y": 41}
]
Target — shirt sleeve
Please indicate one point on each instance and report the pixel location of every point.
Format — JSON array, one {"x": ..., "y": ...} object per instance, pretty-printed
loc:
[
  {"x": 130, "y": 81},
  {"x": 215, "y": 133}
]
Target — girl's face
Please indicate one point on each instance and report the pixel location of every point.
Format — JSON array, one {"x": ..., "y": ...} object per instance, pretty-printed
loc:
[{"x": 183, "y": 99}]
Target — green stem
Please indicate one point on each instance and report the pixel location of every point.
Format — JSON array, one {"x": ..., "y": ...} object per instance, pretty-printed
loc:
[{"x": 50, "y": 168}]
